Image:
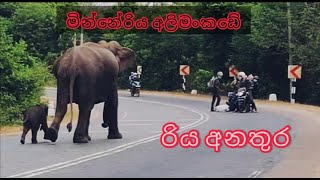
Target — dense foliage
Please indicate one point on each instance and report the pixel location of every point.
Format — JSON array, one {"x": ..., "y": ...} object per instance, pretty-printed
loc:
[
  {"x": 21, "y": 77},
  {"x": 30, "y": 42}
]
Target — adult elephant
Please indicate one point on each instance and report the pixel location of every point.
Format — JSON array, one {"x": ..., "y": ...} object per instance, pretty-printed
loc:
[{"x": 87, "y": 75}]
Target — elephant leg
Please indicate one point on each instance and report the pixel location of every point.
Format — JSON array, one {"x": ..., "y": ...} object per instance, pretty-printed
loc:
[
  {"x": 106, "y": 116},
  {"x": 24, "y": 133},
  {"x": 34, "y": 131},
  {"x": 80, "y": 134},
  {"x": 44, "y": 127},
  {"x": 61, "y": 109},
  {"x": 86, "y": 104},
  {"x": 87, "y": 130},
  {"x": 111, "y": 110}
]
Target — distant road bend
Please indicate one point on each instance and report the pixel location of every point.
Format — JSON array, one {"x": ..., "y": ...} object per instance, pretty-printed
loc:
[{"x": 140, "y": 153}]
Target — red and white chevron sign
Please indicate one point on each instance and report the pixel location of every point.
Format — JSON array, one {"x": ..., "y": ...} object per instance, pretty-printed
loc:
[{"x": 184, "y": 70}]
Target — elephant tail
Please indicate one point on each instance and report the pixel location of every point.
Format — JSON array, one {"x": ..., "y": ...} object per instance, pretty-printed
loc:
[{"x": 72, "y": 79}]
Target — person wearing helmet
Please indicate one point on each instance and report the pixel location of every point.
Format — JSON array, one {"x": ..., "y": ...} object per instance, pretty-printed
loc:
[
  {"x": 131, "y": 77},
  {"x": 247, "y": 82},
  {"x": 255, "y": 86},
  {"x": 135, "y": 77},
  {"x": 244, "y": 81},
  {"x": 241, "y": 80},
  {"x": 238, "y": 82},
  {"x": 216, "y": 91},
  {"x": 250, "y": 81}
]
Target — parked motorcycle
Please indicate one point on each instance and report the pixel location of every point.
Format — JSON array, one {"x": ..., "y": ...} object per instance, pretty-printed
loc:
[
  {"x": 135, "y": 88},
  {"x": 239, "y": 101},
  {"x": 242, "y": 98},
  {"x": 232, "y": 101}
]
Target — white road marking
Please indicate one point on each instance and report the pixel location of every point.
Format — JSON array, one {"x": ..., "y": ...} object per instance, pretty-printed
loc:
[
  {"x": 252, "y": 174},
  {"x": 125, "y": 114},
  {"x": 202, "y": 119},
  {"x": 255, "y": 174},
  {"x": 259, "y": 172}
]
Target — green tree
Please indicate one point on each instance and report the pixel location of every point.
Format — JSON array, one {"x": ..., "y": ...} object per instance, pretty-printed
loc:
[
  {"x": 22, "y": 77},
  {"x": 35, "y": 24},
  {"x": 306, "y": 50},
  {"x": 201, "y": 79}
]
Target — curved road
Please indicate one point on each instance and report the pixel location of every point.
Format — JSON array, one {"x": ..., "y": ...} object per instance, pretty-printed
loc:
[{"x": 139, "y": 153}]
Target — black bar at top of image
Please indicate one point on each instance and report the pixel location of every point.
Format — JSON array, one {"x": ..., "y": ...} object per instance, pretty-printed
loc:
[{"x": 218, "y": 19}]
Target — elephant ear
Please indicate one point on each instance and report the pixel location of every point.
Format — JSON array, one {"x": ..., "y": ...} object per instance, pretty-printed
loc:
[
  {"x": 113, "y": 46},
  {"x": 126, "y": 57}
]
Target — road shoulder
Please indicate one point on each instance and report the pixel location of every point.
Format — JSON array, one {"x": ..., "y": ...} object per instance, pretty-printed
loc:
[{"x": 301, "y": 159}]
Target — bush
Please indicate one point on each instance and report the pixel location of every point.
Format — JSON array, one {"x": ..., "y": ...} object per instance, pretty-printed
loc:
[
  {"x": 201, "y": 78},
  {"x": 21, "y": 79}
]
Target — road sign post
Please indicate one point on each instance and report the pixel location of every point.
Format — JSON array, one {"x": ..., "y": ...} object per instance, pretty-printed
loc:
[
  {"x": 183, "y": 84},
  {"x": 75, "y": 40},
  {"x": 139, "y": 70},
  {"x": 294, "y": 73},
  {"x": 81, "y": 36},
  {"x": 184, "y": 71},
  {"x": 290, "y": 46}
]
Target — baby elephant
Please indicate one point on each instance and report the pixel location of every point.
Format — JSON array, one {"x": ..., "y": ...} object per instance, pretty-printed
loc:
[{"x": 33, "y": 118}]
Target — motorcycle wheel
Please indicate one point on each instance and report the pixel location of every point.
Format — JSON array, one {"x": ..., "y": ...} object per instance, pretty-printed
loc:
[
  {"x": 248, "y": 108},
  {"x": 242, "y": 107},
  {"x": 138, "y": 92}
]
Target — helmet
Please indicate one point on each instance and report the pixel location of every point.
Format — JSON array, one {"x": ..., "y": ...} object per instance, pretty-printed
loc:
[
  {"x": 250, "y": 77},
  {"x": 132, "y": 73},
  {"x": 256, "y": 77},
  {"x": 242, "y": 75},
  {"x": 219, "y": 74}
]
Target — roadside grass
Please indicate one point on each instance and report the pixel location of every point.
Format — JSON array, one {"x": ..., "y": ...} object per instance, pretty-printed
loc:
[{"x": 297, "y": 106}]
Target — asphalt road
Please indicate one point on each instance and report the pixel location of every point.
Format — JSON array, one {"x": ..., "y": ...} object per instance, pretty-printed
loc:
[{"x": 140, "y": 153}]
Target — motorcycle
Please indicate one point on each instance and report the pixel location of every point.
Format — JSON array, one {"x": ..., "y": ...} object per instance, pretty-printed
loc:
[
  {"x": 231, "y": 101},
  {"x": 135, "y": 88},
  {"x": 239, "y": 101},
  {"x": 242, "y": 97}
]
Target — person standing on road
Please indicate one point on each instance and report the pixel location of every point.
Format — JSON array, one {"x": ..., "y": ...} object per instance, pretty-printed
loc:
[
  {"x": 235, "y": 84},
  {"x": 248, "y": 84},
  {"x": 214, "y": 85},
  {"x": 255, "y": 91}
]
